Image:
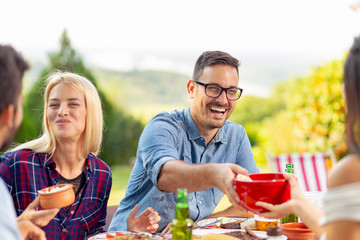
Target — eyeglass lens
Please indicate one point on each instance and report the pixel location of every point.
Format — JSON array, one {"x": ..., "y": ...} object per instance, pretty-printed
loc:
[{"x": 215, "y": 91}]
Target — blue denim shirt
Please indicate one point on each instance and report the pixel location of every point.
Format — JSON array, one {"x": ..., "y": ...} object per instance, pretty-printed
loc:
[{"x": 170, "y": 136}]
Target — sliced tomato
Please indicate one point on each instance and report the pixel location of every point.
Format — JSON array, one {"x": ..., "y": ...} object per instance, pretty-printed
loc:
[
  {"x": 213, "y": 226},
  {"x": 109, "y": 236},
  {"x": 120, "y": 234}
]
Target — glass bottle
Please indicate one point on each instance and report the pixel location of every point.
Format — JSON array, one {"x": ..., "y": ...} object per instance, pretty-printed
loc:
[
  {"x": 291, "y": 217},
  {"x": 182, "y": 225},
  {"x": 262, "y": 223}
]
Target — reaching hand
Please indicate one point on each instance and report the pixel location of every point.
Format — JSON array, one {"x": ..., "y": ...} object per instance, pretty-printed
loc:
[
  {"x": 167, "y": 229},
  {"x": 29, "y": 231},
  {"x": 39, "y": 218},
  {"x": 145, "y": 221},
  {"x": 224, "y": 180},
  {"x": 289, "y": 207}
]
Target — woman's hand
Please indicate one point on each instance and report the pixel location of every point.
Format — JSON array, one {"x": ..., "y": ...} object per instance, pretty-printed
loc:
[
  {"x": 39, "y": 218},
  {"x": 289, "y": 207},
  {"x": 144, "y": 222},
  {"x": 29, "y": 231}
]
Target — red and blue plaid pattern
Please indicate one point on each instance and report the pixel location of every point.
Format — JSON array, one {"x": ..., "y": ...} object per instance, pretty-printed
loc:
[{"x": 26, "y": 172}]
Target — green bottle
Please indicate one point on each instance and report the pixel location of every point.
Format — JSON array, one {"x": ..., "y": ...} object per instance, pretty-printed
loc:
[
  {"x": 292, "y": 217},
  {"x": 182, "y": 225}
]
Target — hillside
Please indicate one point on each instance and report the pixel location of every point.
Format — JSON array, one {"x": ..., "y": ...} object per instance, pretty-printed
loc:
[{"x": 144, "y": 92}]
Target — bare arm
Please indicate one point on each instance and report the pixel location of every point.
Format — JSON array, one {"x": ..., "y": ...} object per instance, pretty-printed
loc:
[
  {"x": 345, "y": 172},
  {"x": 196, "y": 177},
  {"x": 233, "y": 212}
]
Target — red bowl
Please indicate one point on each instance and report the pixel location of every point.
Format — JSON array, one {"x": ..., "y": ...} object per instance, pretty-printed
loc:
[
  {"x": 297, "y": 231},
  {"x": 266, "y": 187}
]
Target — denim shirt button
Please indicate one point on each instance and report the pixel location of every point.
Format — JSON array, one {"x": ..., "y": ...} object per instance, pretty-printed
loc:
[{"x": 200, "y": 202}]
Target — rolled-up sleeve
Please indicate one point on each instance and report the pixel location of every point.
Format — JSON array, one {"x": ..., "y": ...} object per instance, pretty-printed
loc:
[{"x": 158, "y": 144}]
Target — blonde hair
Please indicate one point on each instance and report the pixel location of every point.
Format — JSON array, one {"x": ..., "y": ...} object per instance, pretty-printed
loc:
[{"x": 94, "y": 118}]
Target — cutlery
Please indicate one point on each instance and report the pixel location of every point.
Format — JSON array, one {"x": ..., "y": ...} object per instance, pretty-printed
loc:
[{"x": 210, "y": 224}]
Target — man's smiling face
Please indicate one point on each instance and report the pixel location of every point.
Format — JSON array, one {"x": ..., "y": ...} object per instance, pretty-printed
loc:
[{"x": 211, "y": 113}]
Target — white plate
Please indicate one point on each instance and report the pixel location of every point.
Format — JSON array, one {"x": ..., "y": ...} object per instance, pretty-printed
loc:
[
  {"x": 102, "y": 236},
  {"x": 203, "y": 222},
  {"x": 203, "y": 232}
]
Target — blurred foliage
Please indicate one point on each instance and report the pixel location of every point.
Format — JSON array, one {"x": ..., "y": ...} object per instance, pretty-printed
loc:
[
  {"x": 250, "y": 111},
  {"x": 144, "y": 93},
  {"x": 122, "y": 131},
  {"x": 305, "y": 114},
  {"x": 302, "y": 115}
]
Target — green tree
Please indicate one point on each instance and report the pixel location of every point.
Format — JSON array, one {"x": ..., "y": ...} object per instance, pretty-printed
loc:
[
  {"x": 313, "y": 119},
  {"x": 121, "y": 130},
  {"x": 251, "y": 111}
]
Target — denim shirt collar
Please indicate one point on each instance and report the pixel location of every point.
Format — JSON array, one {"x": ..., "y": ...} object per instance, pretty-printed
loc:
[{"x": 194, "y": 133}]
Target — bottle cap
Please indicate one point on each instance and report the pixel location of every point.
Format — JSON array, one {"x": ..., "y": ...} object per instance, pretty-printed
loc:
[
  {"x": 274, "y": 231},
  {"x": 289, "y": 165}
]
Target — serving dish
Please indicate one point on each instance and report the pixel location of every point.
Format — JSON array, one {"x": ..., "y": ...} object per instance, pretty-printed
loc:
[
  {"x": 218, "y": 220},
  {"x": 57, "y": 196},
  {"x": 267, "y": 187},
  {"x": 297, "y": 231},
  {"x": 105, "y": 236},
  {"x": 204, "y": 232}
]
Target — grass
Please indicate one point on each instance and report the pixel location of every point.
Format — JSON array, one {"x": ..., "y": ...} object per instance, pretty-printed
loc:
[
  {"x": 120, "y": 181},
  {"x": 121, "y": 176}
]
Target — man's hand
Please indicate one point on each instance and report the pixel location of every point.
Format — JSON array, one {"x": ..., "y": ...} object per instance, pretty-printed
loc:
[
  {"x": 145, "y": 222},
  {"x": 167, "y": 229},
  {"x": 29, "y": 231},
  {"x": 223, "y": 177},
  {"x": 39, "y": 218}
]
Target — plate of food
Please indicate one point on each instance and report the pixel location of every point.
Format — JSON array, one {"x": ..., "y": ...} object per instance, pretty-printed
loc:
[
  {"x": 231, "y": 234},
  {"x": 226, "y": 222},
  {"x": 125, "y": 235}
]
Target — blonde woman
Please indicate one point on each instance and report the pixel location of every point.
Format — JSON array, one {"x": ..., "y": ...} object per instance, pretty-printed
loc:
[{"x": 66, "y": 153}]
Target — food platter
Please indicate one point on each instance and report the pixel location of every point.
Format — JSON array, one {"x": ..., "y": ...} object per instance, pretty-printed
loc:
[
  {"x": 204, "y": 232},
  {"x": 125, "y": 235}
]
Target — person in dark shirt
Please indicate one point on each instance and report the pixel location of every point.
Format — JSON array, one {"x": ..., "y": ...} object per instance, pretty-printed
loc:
[{"x": 12, "y": 69}]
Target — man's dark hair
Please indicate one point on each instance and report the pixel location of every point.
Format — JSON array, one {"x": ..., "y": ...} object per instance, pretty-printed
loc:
[
  {"x": 210, "y": 58},
  {"x": 12, "y": 68}
]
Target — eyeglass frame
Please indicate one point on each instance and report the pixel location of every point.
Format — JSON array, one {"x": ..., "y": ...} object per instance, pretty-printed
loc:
[{"x": 222, "y": 90}]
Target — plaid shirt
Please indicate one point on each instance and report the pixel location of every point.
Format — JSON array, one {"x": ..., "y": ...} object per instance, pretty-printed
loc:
[{"x": 26, "y": 172}]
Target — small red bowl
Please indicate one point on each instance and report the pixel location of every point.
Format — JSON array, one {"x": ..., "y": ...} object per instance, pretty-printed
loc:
[
  {"x": 297, "y": 231},
  {"x": 265, "y": 187},
  {"x": 57, "y": 199}
]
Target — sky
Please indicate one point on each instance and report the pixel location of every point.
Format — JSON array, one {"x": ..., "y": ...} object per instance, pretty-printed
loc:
[{"x": 170, "y": 34}]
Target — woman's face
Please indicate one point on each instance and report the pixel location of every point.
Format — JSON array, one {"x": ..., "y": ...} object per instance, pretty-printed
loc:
[{"x": 66, "y": 112}]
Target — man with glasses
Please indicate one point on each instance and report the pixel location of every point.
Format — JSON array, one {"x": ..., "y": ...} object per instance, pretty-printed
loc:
[{"x": 196, "y": 148}]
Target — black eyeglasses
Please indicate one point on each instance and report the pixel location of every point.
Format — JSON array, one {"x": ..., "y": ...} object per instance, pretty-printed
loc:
[{"x": 214, "y": 91}]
